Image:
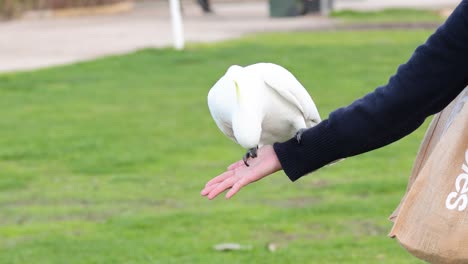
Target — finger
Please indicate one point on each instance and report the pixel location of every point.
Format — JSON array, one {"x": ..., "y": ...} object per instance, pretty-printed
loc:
[
  {"x": 236, "y": 165},
  {"x": 221, "y": 188},
  {"x": 237, "y": 186},
  {"x": 220, "y": 178},
  {"x": 208, "y": 189}
]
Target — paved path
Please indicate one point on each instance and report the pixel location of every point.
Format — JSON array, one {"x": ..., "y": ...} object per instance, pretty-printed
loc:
[
  {"x": 30, "y": 44},
  {"x": 35, "y": 43}
]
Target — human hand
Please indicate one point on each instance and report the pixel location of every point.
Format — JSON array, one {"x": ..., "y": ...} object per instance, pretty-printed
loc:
[{"x": 239, "y": 175}]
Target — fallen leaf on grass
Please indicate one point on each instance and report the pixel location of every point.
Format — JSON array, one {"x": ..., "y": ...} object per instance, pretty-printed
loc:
[{"x": 231, "y": 247}]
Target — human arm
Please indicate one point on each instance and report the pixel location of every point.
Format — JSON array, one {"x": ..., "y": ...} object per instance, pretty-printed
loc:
[{"x": 435, "y": 74}]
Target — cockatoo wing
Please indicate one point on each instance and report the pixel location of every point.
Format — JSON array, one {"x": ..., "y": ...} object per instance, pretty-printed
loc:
[{"x": 285, "y": 84}]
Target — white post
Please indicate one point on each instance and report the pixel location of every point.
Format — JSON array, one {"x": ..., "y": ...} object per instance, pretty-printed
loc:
[
  {"x": 324, "y": 10},
  {"x": 177, "y": 29}
]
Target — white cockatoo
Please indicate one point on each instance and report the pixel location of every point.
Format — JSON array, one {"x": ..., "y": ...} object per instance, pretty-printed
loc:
[{"x": 261, "y": 104}]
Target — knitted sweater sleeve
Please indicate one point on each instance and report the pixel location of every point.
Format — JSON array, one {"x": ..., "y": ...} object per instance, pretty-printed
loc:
[{"x": 434, "y": 75}]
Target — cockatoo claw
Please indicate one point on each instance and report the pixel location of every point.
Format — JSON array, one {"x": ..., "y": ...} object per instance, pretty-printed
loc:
[
  {"x": 245, "y": 158},
  {"x": 298, "y": 135},
  {"x": 252, "y": 153}
]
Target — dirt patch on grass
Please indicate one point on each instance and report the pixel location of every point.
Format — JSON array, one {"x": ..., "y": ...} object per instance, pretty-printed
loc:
[
  {"x": 18, "y": 212},
  {"x": 294, "y": 202},
  {"x": 366, "y": 228},
  {"x": 281, "y": 239},
  {"x": 89, "y": 203},
  {"x": 320, "y": 183}
]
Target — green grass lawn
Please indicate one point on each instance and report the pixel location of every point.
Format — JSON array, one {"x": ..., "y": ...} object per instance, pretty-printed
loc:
[
  {"x": 103, "y": 162},
  {"x": 389, "y": 16}
]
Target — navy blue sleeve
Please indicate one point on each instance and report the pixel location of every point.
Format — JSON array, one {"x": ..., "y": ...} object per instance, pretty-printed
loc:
[{"x": 434, "y": 75}]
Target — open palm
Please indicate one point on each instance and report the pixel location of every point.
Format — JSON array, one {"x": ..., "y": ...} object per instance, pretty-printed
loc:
[{"x": 239, "y": 175}]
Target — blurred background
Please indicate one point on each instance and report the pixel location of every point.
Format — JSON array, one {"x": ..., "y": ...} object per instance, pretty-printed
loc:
[{"x": 106, "y": 139}]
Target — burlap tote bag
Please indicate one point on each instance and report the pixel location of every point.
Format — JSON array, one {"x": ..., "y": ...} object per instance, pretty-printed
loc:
[
  {"x": 439, "y": 125},
  {"x": 432, "y": 219}
]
